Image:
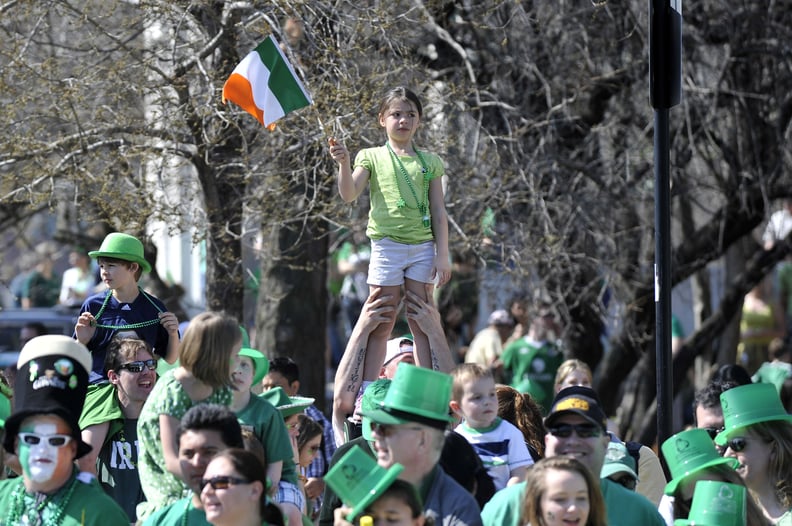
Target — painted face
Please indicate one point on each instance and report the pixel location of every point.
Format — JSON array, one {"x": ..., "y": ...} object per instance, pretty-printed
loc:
[
  {"x": 479, "y": 404},
  {"x": 242, "y": 376},
  {"x": 131, "y": 385},
  {"x": 45, "y": 448},
  {"x": 589, "y": 450},
  {"x": 310, "y": 450},
  {"x": 196, "y": 450},
  {"x": 754, "y": 457},
  {"x": 576, "y": 377},
  {"x": 391, "y": 511},
  {"x": 292, "y": 422},
  {"x": 396, "y": 443},
  {"x": 233, "y": 503},
  {"x": 400, "y": 120},
  {"x": 565, "y": 500}
]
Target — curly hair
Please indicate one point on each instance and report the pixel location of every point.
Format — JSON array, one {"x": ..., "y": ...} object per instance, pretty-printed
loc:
[{"x": 523, "y": 412}]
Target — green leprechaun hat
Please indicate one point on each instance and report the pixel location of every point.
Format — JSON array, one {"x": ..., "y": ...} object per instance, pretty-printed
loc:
[
  {"x": 416, "y": 394},
  {"x": 716, "y": 503},
  {"x": 749, "y": 404},
  {"x": 287, "y": 405},
  {"x": 358, "y": 480},
  {"x": 260, "y": 363},
  {"x": 689, "y": 452},
  {"x": 122, "y": 246}
]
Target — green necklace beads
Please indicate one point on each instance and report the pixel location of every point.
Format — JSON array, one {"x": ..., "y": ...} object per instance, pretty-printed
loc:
[
  {"x": 17, "y": 510},
  {"x": 131, "y": 325},
  {"x": 421, "y": 206}
]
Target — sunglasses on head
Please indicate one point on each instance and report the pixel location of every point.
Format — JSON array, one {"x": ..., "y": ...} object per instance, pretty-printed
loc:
[
  {"x": 33, "y": 439},
  {"x": 582, "y": 430},
  {"x": 737, "y": 444},
  {"x": 136, "y": 367},
  {"x": 223, "y": 482}
]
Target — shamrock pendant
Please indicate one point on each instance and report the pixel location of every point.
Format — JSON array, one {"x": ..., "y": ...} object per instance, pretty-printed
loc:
[{"x": 400, "y": 203}]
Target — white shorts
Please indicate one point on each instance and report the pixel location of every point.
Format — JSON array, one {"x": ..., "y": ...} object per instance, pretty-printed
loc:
[{"x": 391, "y": 262}]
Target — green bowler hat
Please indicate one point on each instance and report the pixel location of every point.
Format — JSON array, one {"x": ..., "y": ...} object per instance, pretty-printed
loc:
[
  {"x": 287, "y": 405},
  {"x": 749, "y": 404},
  {"x": 260, "y": 363},
  {"x": 122, "y": 246},
  {"x": 358, "y": 480},
  {"x": 416, "y": 394},
  {"x": 689, "y": 452},
  {"x": 716, "y": 503}
]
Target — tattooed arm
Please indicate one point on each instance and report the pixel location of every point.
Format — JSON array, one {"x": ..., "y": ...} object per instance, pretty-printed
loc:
[{"x": 349, "y": 375}]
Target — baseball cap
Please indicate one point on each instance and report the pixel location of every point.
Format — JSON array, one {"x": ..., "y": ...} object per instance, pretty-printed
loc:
[
  {"x": 395, "y": 349},
  {"x": 577, "y": 400},
  {"x": 500, "y": 317}
]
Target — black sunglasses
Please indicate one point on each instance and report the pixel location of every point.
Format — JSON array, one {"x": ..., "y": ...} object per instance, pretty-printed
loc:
[
  {"x": 136, "y": 367},
  {"x": 582, "y": 430},
  {"x": 222, "y": 482},
  {"x": 713, "y": 431},
  {"x": 737, "y": 444}
]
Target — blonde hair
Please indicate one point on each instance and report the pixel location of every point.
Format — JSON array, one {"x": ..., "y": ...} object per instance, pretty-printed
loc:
[
  {"x": 465, "y": 372},
  {"x": 568, "y": 367},
  {"x": 206, "y": 348}
]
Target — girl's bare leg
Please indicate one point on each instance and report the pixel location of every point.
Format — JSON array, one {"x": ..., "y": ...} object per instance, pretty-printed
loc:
[
  {"x": 423, "y": 353},
  {"x": 378, "y": 338}
]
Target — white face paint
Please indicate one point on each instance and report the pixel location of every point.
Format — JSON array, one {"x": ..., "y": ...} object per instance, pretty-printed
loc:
[{"x": 39, "y": 460}]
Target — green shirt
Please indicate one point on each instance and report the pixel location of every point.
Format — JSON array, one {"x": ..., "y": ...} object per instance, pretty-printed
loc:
[
  {"x": 267, "y": 424},
  {"x": 388, "y": 185},
  {"x": 533, "y": 367},
  {"x": 174, "y": 515}
]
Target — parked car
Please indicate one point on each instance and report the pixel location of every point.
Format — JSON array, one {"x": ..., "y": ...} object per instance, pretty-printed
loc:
[{"x": 56, "y": 321}]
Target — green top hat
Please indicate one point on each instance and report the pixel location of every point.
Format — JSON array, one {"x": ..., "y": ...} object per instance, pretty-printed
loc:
[
  {"x": 618, "y": 460},
  {"x": 416, "y": 394},
  {"x": 287, "y": 405},
  {"x": 716, "y": 503},
  {"x": 689, "y": 452},
  {"x": 122, "y": 246},
  {"x": 747, "y": 405},
  {"x": 260, "y": 363},
  {"x": 358, "y": 480}
]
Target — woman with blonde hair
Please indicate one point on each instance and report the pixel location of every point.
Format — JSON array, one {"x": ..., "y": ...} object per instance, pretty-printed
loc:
[
  {"x": 572, "y": 372},
  {"x": 560, "y": 491}
]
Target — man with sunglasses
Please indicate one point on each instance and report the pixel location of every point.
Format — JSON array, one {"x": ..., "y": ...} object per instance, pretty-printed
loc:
[
  {"x": 576, "y": 427},
  {"x": 204, "y": 431},
  {"x": 109, "y": 420},
  {"x": 43, "y": 432}
]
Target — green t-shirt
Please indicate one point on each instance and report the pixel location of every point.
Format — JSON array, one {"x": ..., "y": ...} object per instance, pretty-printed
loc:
[
  {"x": 173, "y": 515},
  {"x": 533, "y": 367},
  {"x": 87, "y": 506},
  {"x": 388, "y": 186},
  {"x": 267, "y": 424}
]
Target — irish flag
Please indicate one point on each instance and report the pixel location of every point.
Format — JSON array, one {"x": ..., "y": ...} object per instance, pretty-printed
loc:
[{"x": 264, "y": 84}]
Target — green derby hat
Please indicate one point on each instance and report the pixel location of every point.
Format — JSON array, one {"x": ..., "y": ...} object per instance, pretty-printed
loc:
[
  {"x": 358, "y": 480},
  {"x": 716, "y": 503},
  {"x": 287, "y": 405},
  {"x": 416, "y": 394},
  {"x": 689, "y": 452},
  {"x": 747, "y": 405},
  {"x": 260, "y": 363},
  {"x": 122, "y": 246}
]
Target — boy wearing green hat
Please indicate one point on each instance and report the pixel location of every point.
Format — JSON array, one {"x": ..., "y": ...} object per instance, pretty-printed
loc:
[{"x": 124, "y": 308}]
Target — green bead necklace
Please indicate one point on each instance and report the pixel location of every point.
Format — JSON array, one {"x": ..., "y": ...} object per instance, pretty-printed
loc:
[
  {"x": 17, "y": 511},
  {"x": 148, "y": 323},
  {"x": 421, "y": 206}
]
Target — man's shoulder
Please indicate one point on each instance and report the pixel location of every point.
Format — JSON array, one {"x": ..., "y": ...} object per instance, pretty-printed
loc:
[
  {"x": 171, "y": 514},
  {"x": 503, "y": 509},
  {"x": 454, "y": 500}
]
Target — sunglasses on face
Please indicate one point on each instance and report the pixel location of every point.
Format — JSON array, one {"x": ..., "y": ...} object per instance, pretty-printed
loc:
[
  {"x": 582, "y": 430},
  {"x": 136, "y": 367},
  {"x": 737, "y": 444},
  {"x": 33, "y": 439},
  {"x": 713, "y": 432},
  {"x": 387, "y": 430},
  {"x": 223, "y": 482}
]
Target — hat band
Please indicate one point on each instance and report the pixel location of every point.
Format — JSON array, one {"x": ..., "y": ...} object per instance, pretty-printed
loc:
[{"x": 431, "y": 422}]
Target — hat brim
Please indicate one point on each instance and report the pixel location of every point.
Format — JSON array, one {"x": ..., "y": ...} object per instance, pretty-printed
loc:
[
  {"x": 13, "y": 422},
  {"x": 378, "y": 489},
  {"x": 132, "y": 258},
  {"x": 671, "y": 487},
  {"x": 558, "y": 414},
  {"x": 297, "y": 405},
  {"x": 724, "y": 436},
  {"x": 612, "y": 469},
  {"x": 389, "y": 418}
]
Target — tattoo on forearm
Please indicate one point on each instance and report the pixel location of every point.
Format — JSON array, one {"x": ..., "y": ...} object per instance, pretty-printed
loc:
[
  {"x": 354, "y": 378},
  {"x": 435, "y": 362}
]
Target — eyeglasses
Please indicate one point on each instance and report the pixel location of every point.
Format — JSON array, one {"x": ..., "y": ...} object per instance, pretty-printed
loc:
[
  {"x": 713, "y": 431},
  {"x": 136, "y": 367},
  {"x": 33, "y": 439},
  {"x": 737, "y": 444},
  {"x": 223, "y": 482},
  {"x": 582, "y": 430},
  {"x": 387, "y": 430}
]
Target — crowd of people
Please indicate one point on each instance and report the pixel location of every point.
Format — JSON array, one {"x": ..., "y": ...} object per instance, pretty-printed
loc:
[{"x": 139, "y": 420}]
